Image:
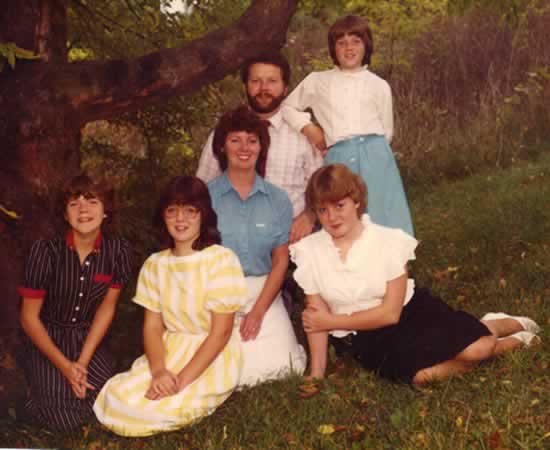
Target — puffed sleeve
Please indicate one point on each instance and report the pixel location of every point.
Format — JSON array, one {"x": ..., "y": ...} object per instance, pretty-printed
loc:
[
  {"x": 226, "y": 291},
  {"x": 147, "y": 290},
  {"x": 400, "y": 248},
  {"x": 38, "y": 270},
  {"x": 305, "y": 267},
  {"x": 122, "y": 267}
]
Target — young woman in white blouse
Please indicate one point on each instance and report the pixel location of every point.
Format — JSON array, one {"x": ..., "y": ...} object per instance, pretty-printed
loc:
[
  {"x": 354, "y": 108},
  {"x": 354, "y": 275}
]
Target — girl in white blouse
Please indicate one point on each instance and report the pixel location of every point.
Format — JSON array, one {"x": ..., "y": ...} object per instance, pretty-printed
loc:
[
  {"x": 354, "y": 275},
  {"x": 354, "y": 108}
]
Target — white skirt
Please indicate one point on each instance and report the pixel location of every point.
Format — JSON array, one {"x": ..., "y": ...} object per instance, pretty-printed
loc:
[{"x": 275, "y": 353}]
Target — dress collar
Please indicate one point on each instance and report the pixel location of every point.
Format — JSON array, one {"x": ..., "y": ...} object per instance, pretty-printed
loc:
[{"x": 69, "y": 240}]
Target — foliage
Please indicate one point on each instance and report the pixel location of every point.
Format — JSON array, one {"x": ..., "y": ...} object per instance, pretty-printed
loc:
[
  {"x": 395, "y": 25},
  {"x": 484, "y": 247},
  {"x": 10, "y": 53}
]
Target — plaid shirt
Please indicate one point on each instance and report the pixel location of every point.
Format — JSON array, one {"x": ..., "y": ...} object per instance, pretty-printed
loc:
[{"x": 290, "y": 162}]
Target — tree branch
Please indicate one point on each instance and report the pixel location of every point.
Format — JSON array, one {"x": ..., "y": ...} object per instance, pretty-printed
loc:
[{"x": 103, "y": 89}]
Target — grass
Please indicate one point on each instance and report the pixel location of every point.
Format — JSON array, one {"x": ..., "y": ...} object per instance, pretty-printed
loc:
[{"x": 484, "y": 247}]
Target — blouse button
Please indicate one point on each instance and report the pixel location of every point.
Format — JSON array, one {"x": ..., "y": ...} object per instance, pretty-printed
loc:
[
  {"x": 81, "y": 278},
  {"x": 87, "y": 263},
  {"x": 80, "y": 294},
  {"x": 77, "y": 308},
  {"x": 74, "y": 319}
]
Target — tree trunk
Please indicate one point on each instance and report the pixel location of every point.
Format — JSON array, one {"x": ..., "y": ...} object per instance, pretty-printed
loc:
[{"x": 44, "y": 104}]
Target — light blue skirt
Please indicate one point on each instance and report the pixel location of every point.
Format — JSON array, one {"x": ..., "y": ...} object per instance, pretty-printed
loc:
[{"x": 371, "y": 157}]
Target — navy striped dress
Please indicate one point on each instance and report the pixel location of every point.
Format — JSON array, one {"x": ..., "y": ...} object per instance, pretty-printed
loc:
[{"x": 72, "y": 293}]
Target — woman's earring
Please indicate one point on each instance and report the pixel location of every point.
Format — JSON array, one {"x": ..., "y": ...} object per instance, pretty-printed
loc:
[{"x": 104, "y": 216}]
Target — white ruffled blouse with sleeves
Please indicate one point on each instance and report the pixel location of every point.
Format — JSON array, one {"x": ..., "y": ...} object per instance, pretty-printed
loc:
[{"x": 358, "y": 283}]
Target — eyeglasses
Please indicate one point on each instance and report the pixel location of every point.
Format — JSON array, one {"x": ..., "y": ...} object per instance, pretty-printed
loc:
[{"x": 188, "y": 212}]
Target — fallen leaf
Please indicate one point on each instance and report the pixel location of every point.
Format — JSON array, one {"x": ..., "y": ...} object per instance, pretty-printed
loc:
[
  {"x": 308, "y": 390},
  {"x": 7, "y": 361},
  {"x": 357, "y": 434},
  {"x": 494, "y": 441},
  {"x": 95, "y": 445},
  {"x": 459, "y": 421},
  {"x": 86, "y": 431},
  {"x": 290, "y": 439},
  {"x": 326, "y": 429}
]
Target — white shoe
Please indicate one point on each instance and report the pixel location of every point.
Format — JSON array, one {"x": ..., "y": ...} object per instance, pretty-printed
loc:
[
  {"x": 528, "y": 324},
  {"x": 525, "y": 337}
]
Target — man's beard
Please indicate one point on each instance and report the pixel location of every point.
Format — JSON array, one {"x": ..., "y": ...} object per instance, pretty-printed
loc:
[{"x": 265, "y": 109}]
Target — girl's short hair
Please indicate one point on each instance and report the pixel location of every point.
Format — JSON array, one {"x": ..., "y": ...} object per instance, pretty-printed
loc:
[
  {"x": 334, "y": 182},
  {"x": 89, "y": 187},
  {"x": 188, "y": 190},
  {"x": 241, "y": 119},
  {"x": 353, "y": 25}
]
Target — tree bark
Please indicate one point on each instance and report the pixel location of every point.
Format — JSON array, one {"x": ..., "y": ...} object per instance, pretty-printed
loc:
[{"x": 45, "y": 103}]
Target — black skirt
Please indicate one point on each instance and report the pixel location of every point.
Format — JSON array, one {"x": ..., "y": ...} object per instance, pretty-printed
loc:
[{"x": 429, "y": 332}]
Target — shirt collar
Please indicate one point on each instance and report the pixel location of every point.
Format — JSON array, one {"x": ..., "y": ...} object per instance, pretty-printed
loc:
[
  {"x": 276, "y": 120},
  {"x": 355, "y": 73},
  {"x": 258, "y": 186},
  {"x": 69, "y": 240}
]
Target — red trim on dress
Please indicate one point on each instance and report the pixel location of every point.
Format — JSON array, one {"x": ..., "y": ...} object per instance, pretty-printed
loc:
[
  {"x": 69, "y": 239},
  {"x": 116, "y": 286},
  {"x": 31, "y": 293},
  {"x": 102, "y": 278}
]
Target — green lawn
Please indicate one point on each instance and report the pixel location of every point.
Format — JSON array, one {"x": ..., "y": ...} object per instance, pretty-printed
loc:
[{"x": 485, "y": 245}]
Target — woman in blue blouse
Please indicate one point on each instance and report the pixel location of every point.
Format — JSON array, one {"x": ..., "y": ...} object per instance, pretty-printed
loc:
[{"x": 254, "y": 219}]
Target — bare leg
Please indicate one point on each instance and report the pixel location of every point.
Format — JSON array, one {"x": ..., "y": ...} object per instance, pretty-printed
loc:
[
  {"x": 443, "y": 370},
  {"x": 507, "y": 344},
  {"x": 503, "y": 327},
  {"x": 465, "y": 361},
  {"x": 318, "y": 347}
]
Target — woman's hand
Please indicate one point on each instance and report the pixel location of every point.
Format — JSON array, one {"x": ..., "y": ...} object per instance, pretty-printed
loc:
[
  {"x": 251, "y": 324},
  {"x": 163, "y": 384},
  {"x": 77, "y": 376},
  {"x": 316, "y": 319}
]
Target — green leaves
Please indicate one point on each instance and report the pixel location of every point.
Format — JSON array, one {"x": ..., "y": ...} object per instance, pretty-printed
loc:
[{"x": 10, "y": 53}]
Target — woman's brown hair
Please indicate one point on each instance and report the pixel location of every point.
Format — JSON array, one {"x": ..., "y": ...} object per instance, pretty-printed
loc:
[
  {"x": 334, "y": 182},
  {"x": 241, "y": 119},
  {"x": 189, "y": 190}
]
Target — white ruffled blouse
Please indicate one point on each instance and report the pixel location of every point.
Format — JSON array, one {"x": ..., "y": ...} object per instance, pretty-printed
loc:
[{"x": 376, "y": 257}]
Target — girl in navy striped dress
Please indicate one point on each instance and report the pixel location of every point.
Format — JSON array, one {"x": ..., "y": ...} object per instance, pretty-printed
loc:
[{"x": 71, "y": 288}]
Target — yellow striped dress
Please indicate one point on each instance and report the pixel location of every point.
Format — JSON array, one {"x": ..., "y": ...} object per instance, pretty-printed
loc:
[{"x": 184, "y": 289}]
